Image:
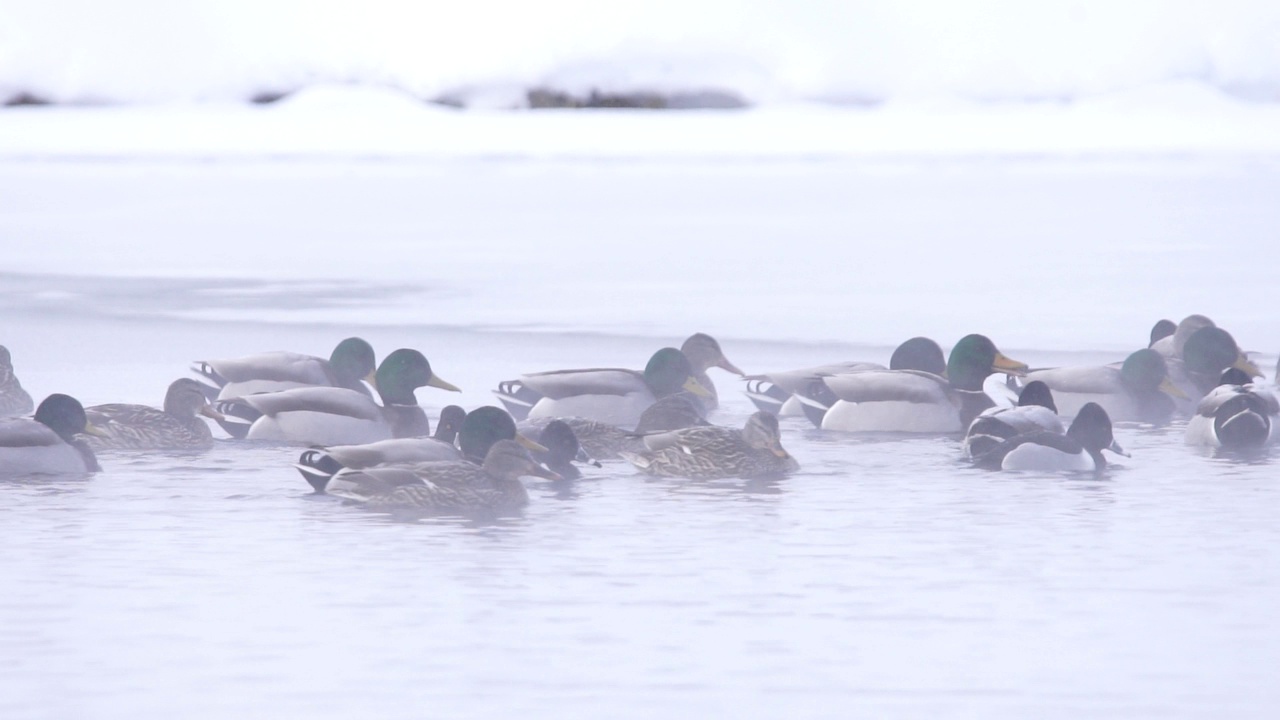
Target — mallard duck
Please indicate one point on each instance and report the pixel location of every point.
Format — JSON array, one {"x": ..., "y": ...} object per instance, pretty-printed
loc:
[
  {"x": 139, "y": 427},
  {"x": 448, "y": 487},
  {"x": 1171, "y": 344},
  {"x": 476, "y": 432},
  {"x": 48, "y": 444},
  {"x": 1161, "y": 330},
  {"x": 611, "y": 395},
  {"x": 1139, "y": 390},
  {"x": 704, "y": 353},
  {"x": 1078, "y": 450},
  {"x": 711, "y": 452},
  {"x": 1207, "y": 354},
  {"x": 915, "y": 401},
  {"x": 1236, "y": 414},
  {"x": 562, "y": 450},
  {"x": 351, "y": 362},
  {"x": 1035, "y": 411},
  {"x": 338, "y": 416},
  {"x": 13, "y": 399},
  {"x": 603, "y": 441},
  {"x": 781, "y": 393}
]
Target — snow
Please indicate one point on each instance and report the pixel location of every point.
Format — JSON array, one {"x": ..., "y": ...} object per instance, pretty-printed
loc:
[{"x": 767, "y": 51}]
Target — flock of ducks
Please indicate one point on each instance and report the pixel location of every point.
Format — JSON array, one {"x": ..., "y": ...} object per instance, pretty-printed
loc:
[{"x": 369, "y": 441}]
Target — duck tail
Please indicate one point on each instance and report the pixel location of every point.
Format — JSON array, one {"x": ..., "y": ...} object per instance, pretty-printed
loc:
[
  {"x": 205, "y": 370},
  {"x": 237, "y": 418},
  {"x": 517, "y": 398},
  {"x": 766, "y": 396},
  {"x": 317, "y": 468}
]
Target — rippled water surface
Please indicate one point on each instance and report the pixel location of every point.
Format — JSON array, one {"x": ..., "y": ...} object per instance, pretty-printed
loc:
[{"x": 886, "y": 578}]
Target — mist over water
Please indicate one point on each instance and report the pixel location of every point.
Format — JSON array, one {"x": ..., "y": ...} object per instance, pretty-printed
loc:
[{"x": 887, "y": 578}]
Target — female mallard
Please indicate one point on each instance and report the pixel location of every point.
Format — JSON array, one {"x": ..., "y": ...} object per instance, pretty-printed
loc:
[
  {"x": 704, "y": 353},
  {"x": 338, "y": 416},
  {"x": 780, "y": 393},
  {"x": 138, "y": 427},
  {"x": 1079, "y": 450},
  {"x": 48, "y": 444},
  {"x": 604, "y": 441},
  {"x": 1161, "y": 330},
  {"x": 476, "y": 432},
  {"x": 351, "y": 362},
  {"x": 915, "y": 401},
  {"x": 609, "y": 395},
  {"x": 13, "y": 399},
  {"x": 1035, "y": 411},
  {"x": 1138, "y": 390},
  {"x": 711, "y": 452},
  {"x": 1237, "y": 414},
  {"x": 448, "y": 487}
]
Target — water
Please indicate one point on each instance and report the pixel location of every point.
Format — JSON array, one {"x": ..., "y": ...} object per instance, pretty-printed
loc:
[{"x": 886, "y": 578}]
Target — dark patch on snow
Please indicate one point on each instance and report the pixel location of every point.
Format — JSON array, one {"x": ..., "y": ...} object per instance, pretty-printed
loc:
[
  {"x": 540, "y": 98},
  {"x": 24, "y": 97}
]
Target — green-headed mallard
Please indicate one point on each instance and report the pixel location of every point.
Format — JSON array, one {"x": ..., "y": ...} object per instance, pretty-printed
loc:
[
  {"x": 611, "y": 395},
  {"x": 351, "y": 362},
  {"x": 338, "y": 416},
  {"x": 704, "y": 353},
  {"x": 139, "y": 427},
  {"x": 711, "y": 452},
  {"x": 48, "y": 444},
  {"x": 476, "y": 432},
  {"x": 1138, "y": 390},
  {"x": 1035, "y": 411},
  {"x": 915, "y": 401},
  {"x": 1236, "y": 414},
  {"x": 1077, "y": 450},
  {"x": 13, "y": 399},
  {"x": 448, "y": 487},
  {"x": 780, "y": 393}
]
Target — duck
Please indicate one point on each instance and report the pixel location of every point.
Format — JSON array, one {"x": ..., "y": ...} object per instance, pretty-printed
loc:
[
  {"x": 1236, "y": 414},
  {"x": 609, "y": 395},
  {"x": 780, "y": 393},
  {"x": 1161, "y": 330},
  {"x": 1035, "y": 410},
  {"x": 561, "y": 451},
  {"x": 475, "y": 431},
  {"x": 1078, "y": 450},
  {"x": 603, "y": 441},
  {"x": 449, "y": 487},
  {"x": 49, "y": 443},
  {"x": 915, "y": 401},
  {"x": 1138, "y": 390},
  {"x": 13, "y": 399},
  {"x": 339, "y": 416},
  {"x": 714, "y": 452},
  {"x": 1207, "y": 354},
  {"x": 139, "y": 427},
  {"x": 704, "y": 353},
  {"x": 351, "y": 362}
]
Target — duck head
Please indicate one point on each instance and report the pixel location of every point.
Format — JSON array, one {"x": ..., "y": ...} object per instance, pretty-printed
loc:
[
  {"x": 974, "y": 358},
  {"x": 402, "y": 372},
  {"x": 353, "y": 360},
  {"x": 65, "y": 416},
  {"x": 704, "y": 352},
  {"x": 186, "y": 398},
  {"x": 509, "y": 460},
  {"x": 919, "y": 353},
  {"x": 670, "y": 372}
]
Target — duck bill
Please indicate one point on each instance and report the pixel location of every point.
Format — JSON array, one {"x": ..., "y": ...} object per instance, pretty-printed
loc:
[
  {"x": 692, "y": 385},
  {"x": 777, "y": 450},
  {"x": 586, "y": 459},
  {"x": 438, "y": 382},
  {"x": 209, "y": 412},
  {"x": 1008, "y": 366},
  {"x": 1167, "y": 387},
  {"x": 91, "y": 429},
  {"x": 1246, "y": 365},
  {"x": 1115, "y": 448},
  {"x": 727, "y": 366},
  {"x": 542, "y": 472},
  {"x": 531, "y": 444}
]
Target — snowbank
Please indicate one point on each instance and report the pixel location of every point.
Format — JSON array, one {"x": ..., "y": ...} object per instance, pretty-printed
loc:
[{"x": 490, "y": 52}]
